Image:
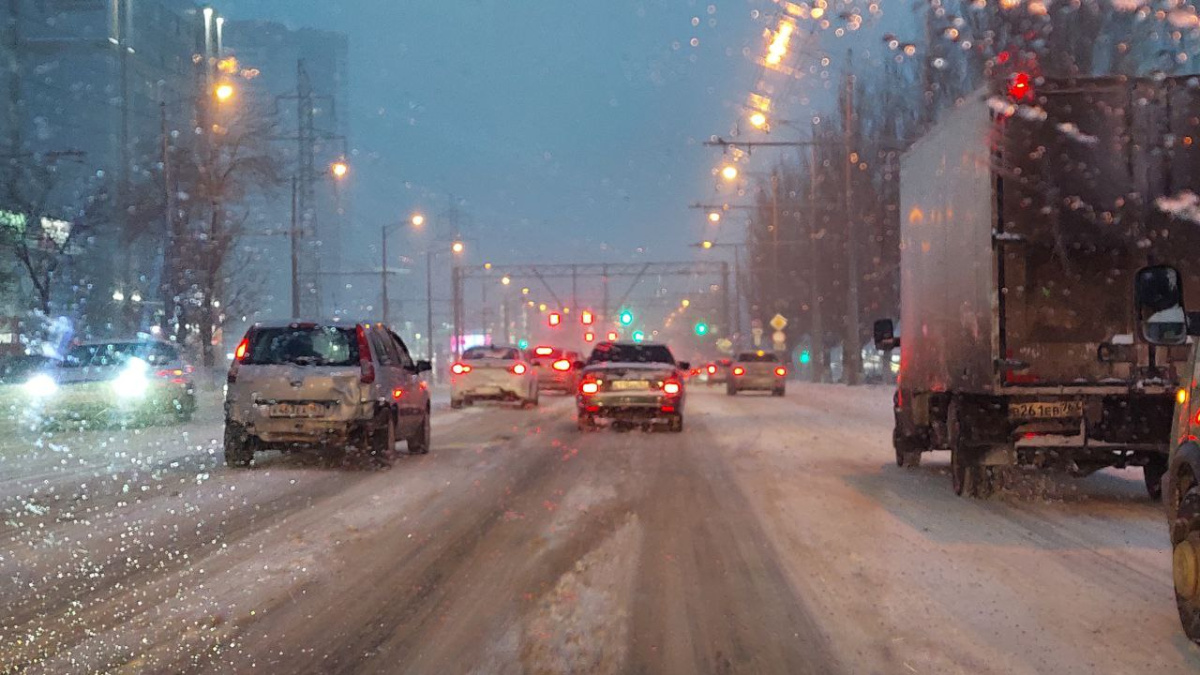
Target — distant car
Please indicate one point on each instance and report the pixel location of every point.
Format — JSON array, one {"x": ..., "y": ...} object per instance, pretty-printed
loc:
[
  {"x": 631, "y": 382},
  {"x": 112, "y": 381},
  {"x": 757, "y": 371},
  {"x": 493, "y": 374},
  {"x": 20, "y": 376},
  {"x": 331, "y": 386},
  {"x": 718, "y": 371},
  {"x": 556, "y": 368}
]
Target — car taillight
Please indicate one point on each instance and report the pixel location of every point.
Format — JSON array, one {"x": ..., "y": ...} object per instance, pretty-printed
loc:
[
  {"x": 460, "y": 368},
  {"x": 544, "y": 351},
  {"x": 366, "y": 368},
  {"x": 590, "y": 387},
  {"x": 239, "y": 355},
  {"x": 781, "y": 371},
  {"x": 671, "y": 388},
  {"x": 397, "y": 393},
  {"x": 518, "y": 369},
  {"x": 562, "y": 365},
  {"x": 712, "y": 370},
  {"x": 739, "y": 371}
]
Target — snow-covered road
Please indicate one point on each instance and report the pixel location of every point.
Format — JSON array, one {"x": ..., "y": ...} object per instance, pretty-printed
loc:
[{"x": 772, "y": 536}]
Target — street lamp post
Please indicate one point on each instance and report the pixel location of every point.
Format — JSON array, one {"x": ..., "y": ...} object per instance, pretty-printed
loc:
[{"x": 737, "y": 275}]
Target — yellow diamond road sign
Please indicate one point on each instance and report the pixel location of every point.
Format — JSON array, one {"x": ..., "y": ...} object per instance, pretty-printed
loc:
[{"x": 778, "y": 322}]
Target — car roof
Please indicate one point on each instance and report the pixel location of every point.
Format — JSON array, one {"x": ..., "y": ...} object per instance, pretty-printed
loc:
[{"x": 324, "y": 323}]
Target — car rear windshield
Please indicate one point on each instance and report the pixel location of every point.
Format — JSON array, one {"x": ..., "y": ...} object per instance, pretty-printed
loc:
[
  {"x": 758, "y": 357},
  {"x": 100, "y": 355},
  {"x": 304, "y": 346},
  {"x": 613, "y": 353},
  {"x": 505, "y": 353}
]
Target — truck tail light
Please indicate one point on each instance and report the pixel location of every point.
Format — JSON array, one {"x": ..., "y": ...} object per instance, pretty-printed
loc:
[
  {"x": 239, "y": 355},
  {"x": 562, "y": 365},
  {"x": 366, "y": 367},
  {"x": 460, "y": 368}
]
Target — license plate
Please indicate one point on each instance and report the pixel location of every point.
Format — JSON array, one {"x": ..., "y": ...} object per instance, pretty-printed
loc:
[
  {"x": 297, "y": 410},
  {"x": 626, "y": 385},
  {"x": 1044, "y": 410}
]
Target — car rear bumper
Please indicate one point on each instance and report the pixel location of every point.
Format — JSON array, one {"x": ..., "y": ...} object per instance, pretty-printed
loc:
[
  {"x": 557, "y": 382},
  {"x": 624, "y": 406},
  {"x": 758, "y": 383}
]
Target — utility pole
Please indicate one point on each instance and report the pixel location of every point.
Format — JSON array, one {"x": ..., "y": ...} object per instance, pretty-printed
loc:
[
  {"x": 12, "y": 44},
  {"x": 306, "y": 166},
  {"x": 852, "y": 346},
  {"x": 429, "y": 305},
  {"x": 167, "y": 273},
  {"x": 294, "y": 236},
  {"x": 383, "y": 272},
  {"x": 816, "y": 324}
]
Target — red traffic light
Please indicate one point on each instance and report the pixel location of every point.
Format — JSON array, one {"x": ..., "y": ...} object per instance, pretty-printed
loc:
[
  {"x": 612, "y": 336},
  {"x": 586, "y": 318},
  {"x": 555, "y": 318},
  {"x": 1020, "y": 87},
  {"x": 589, "y": 336}
]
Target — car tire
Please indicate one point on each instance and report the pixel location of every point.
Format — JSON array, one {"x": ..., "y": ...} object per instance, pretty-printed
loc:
[
  {"x": 586, "y": 422},
  {"x": 381, "y": 440},
  {"x": 778, "y": 392},
  {"x": 456, "y": 403},
  {"x": 731, "y": 391},
  {"x": 239, "y": 446},
  {"x": 675, "y": 426},
  {"x": 1185, "y": 540},
  {"x": 418, "y": 443}
]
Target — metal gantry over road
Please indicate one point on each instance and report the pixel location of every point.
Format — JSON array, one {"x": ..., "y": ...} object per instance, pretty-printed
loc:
[{"x": 605, "y": 273}]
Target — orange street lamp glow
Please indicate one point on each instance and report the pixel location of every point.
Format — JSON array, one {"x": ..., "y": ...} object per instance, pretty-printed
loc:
[
  {"x": 714, "y": 217},
  {"x": 224, "y": 92},
  {"x": 730, "y": 172},
  {"x": 758, "y": 120},
  {"x": 506, "y": 280},
  {"x": 706, "y": 244},
  {"x": 340, "y": 169},
  {"x": 457, "y": 247},
  {"x": 418, "y": 220}
]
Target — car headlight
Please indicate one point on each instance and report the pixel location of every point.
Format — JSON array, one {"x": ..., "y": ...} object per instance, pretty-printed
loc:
[
  {"x": 132, "y": 382},
  {"x": 41, "y": 386}
]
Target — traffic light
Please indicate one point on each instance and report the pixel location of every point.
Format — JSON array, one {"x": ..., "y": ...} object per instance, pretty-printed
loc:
[
  {"x": 626, "y": 317},
  {"x": 701, "y": 328},
  {"x": 612, "y": 336},
  {"x": 523, "y": 344},
  {"x": 587, "y": 318},
  {"x": 1020, "y": 87},
  {"x": 638, "y": 336},
  {"x": 555, "y": 319},
  {"x": 589, "y": 336},
  {"x": 805, "y": 357}
]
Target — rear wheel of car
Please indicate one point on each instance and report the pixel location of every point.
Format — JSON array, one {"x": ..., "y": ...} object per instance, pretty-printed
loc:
[
  {"x": 418, "y": 443},
  {"x": 675, "y": 426},
  {"x": 239, "y": 446},
  {"x": 382, "y": 444},
  {"x": 586, "y": 422},
  {"x": 731, "y": 390},
  {"x": 456, "y": 403},
  {"x": 778, "y": 392}
]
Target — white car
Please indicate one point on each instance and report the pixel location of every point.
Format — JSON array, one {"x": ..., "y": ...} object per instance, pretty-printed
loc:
[{"x": 493, "y": 374}]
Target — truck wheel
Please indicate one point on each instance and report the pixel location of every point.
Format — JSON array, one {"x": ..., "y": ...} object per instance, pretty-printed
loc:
[
  {"x": 908, "y": 451},
  {"x": 239, "y": 447},
  {"x": 969, "y": 477},
  {"x": 1152, "y": 473},
  {"x": 1185, "y": 562}
]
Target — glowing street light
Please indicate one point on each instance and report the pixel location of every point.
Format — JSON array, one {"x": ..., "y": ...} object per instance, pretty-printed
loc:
[
  {"x": 506, "y": 280},
  {"x": 706, "y": 244},
  {"x": 224, "y": 92},
  {"x": 340, "y": 168},
  {"x": 525, "y": 291},
  {"x": 418, "y": 220},
  {"x": 457, "y": 247},
  {"x": 730, "y": 172},
  {"x": 714, "y": 217},
  {"x": 758, "y": 120}
]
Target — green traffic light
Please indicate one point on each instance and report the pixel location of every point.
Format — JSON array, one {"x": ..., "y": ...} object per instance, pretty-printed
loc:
[
  {"x": 805, "y": 357},
  {"x": 638, "y": 336},
  {"x": 523, "y": 344},
  {"x": 701, "y": 328},
  {"x": 626, "y": 318}
]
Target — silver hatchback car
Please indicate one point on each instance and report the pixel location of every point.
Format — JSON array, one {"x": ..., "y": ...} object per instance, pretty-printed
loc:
[{"x": 336, "y": 387}]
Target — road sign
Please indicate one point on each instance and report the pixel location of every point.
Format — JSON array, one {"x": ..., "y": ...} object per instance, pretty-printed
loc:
[
  {"x": 725, "y": 345},
  {"x": 757, "y": 333},
  {"x": 778, "y": 322}
]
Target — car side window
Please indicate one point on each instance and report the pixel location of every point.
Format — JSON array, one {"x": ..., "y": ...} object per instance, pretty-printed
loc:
[
  {"x": 406, "y": 359},
  {"x": 384, "y": 350}
]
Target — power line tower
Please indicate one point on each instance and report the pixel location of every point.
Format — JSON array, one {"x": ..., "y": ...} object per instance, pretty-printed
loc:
[{"x": 306, "y": 139}]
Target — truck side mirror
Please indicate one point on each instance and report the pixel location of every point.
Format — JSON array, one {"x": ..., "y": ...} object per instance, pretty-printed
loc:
[
  {"x": 1158, "y": 295},
  {"x": 1193, "y": 323},
  {"x": 885, "y": 335}
]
